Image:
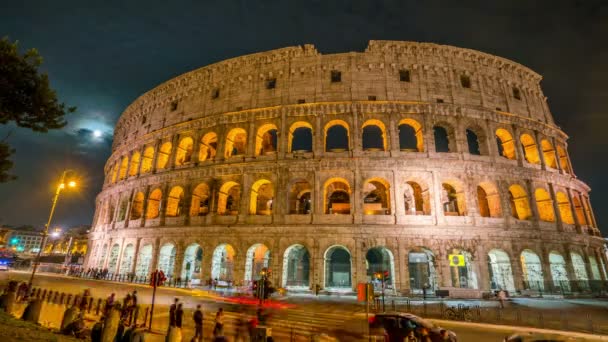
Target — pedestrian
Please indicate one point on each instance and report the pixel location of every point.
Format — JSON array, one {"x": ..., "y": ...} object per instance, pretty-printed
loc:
[
  {"x": 172, "y": 310},
  {"x": 97, "y": 330},
  {"x": 197, "y": 317},
  {"x": 134, "y": 297},
  {"x": 218, "y": 329},
  {"x": 179, "y": 315},
  {"x": 175, "y": 332},
  {"x": 424, "y": 289},
  {"x": 84, "y": 301},
  {"x": 110, "y": 303},
  {"x": 502, "y": 296},
  {"x": 241, "y": 327}
]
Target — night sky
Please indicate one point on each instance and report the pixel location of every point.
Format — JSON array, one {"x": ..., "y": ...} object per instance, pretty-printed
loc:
[{"x": 100, "y": 57}]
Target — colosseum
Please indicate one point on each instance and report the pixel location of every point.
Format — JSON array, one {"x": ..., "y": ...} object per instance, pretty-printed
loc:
[{"x": 439, "y": 166}]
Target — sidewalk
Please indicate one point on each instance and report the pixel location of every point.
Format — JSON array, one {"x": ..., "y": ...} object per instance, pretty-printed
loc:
[{"x": 12, "y": 329}]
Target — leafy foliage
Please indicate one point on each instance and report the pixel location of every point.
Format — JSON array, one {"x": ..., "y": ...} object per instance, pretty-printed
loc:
[{"x": 5, "y": 163}]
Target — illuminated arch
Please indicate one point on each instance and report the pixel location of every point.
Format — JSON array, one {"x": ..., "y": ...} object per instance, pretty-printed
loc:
[
  {"x": 518, "y": 200},
  {"x": 222, "y": 263},
  {"x": 262, "y": 196},
  {"x": 137, "y": 207},
  {"x": 299, "y": 126},
  {"x": 410, "y": 135},
  {"x": 200, "y": 200},
  {"x": 530, "y": 150},
  {"x": 236, "y": 143},
  {"x": 183, "y": 154},
  {"x": 416, "y": 197},
  {"x": 174, "y": 202},
  {"x": 559, "y": 274},
  {"x": 147, "y": 160},
  {"x": 505, "y": 143},
  {"x": 376, "y": 197},
  {"x": 256, "y": 260},
  {"x": 208, "y": 148},
  {"x": 124, "y": 165},
  {"x": 501, "y": 275},
  {"x": 153, "y": 207},
  {"x": 336, "y": 197},
  {"x": 266, "y": 139},
  {"x": 375, "y": 130},
  {"x": 565, "y": 210},
  {"x": 115, "y": 172},
  {"x": 300, "y": 197},
  {"x": 345, "y": 145},
  {"x": 296, "y": 267},
  {"x": 580, "y": 270},
  {"x": 544, "y": 205},
  {"x": 476, "y": 140},
  {"x": 338, "y": 267},
  {"x": 134, "y": 166},
  {"x": 488, "y": 200},
  {"x": 578, "y": 208},
  {"x": 163, "y": 155},
  {"x": 229, "y": 198},
  {"x": 563, "y": 159},
  {"x": 532, "y": 270},
  {"x": 548, "y": 153},
  {"x": 453, "y": 199}
]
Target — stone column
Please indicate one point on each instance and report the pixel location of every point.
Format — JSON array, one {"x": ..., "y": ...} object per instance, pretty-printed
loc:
[
  {"x": 251, "y": 137},
  {"x": 404, "y": 272},
  {"x": 206, "y": 264},
  {"x": 558, "y": 215},
  {"x": 519, "y": 152},
  {"x": 145, "y": 205},
  {"x": 179, "y": 260},
  {"x": 436, "y": 200},
  {"x": 393, "y": 136},
  {"x": 518, "y": 273},
  {"x": 121, "y": 250},
  {"x": 163, "y": 204},
  {"x": 240, "y": 259},
  {"x": 354, "y": 133},
  {"x": 358, "y": 263},
  {"x": 577, "y": 223},
  {"x": 282, "y": 137},
  {"x": 141, "y": 159},
  {"x": 539, "y": 149},
  {"x": 318, "y": 146},
  {"x": 129, "y": 205},
  {"x": 174, "y": 145},
  {"x": 533, "y": 205},
  {"x": 482, "y": 265},
  {"x": 135, "y": 256},
  {"x": 155, "y": 255},
  {"x": 157, "y": 144}
]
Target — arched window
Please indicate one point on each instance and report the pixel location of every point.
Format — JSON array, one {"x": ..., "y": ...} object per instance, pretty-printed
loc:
[
  {"x": 266, "y": 140},
  {"x": 558, "y": 271},
  {"x": 380, "y": 260},
  {"x": 337, "y": 268},
  {"x": 565, "y": 211},
  {"x": 376, "y": 197},
  {"x": 146, "y": 162},
  {"x": 421, "y": 265},
  {"x": 115, "y": 172},
  {"x": 222, "y": 264},
  {"x": 444, "y": 139},
  {"x": 532, "y": 270},
  {"x": 530, "y": 150},
  {"x": 300, "y": 137},
  {"x": 336, "y": 136},
  {"x": 300, "y": 199},
  {"x": 373, "y": 136},
  {"x": 563, "y": 159},
  {"x": 578, "y": 208},
  {"x": 548, "y": 154},
  {"x": 262, "y": 196},
  {"x": 183, "y": 154},
  {"x": 200, "y": 200},
  {"x": 488, "y": 200},
  {"x": 337, "y": 196},
  {"x": 153, "y": 207},
  {"x": 410, "y": 136},
  {"x": 505, "y": 143},
  {"x": 580, "y": 270},
  {"x": 174, "y": 202},
  {"x": 133, "y": 168},
  {"x": 463, "y": 276},
  {"x": 296, "y": 267},
  {"x": 416, "y": 198},
  {"x": 229, "y": 198},
  {"x": 124, "y": 165},
  {"x": 137, "y": 207},
  {"x": 544, "y": 205},
  {"x": 453, "y": 200},
  {"x": 163, "y": 155},
  {"x": 122, "y": 210},
  {"x": 476, "y": 141},
  {"x": 520, "y": 206},
  {"x": 501, "y": 275},
  {"x": 236, "y": 143},
  {"x": 208, "y": 148}
]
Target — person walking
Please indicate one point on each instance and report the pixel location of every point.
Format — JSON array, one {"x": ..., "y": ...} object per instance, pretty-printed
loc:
[
  {"x": 502, "y": 296},
  {"x": 218, "y": 329},
  {"x": 172, "y": 310},
  {"x": 197, "y": 317}
]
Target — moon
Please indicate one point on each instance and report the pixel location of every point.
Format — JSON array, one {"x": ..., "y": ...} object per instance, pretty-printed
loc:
[{"x": 97, "y": 133}]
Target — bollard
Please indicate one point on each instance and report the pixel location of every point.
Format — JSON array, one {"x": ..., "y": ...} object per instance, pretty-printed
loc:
[
  {"x": 56, "y": 297},
  {"x": 146, "y": 316},
  {"x": 68, "y": 300},
  {"x": 43, "y": 295},
  {"x": 90, "y": 305},
  {"x": 393, "y": 305},
  {"x": 38, "y": 293},
  {"x": 61, "y": 298},
  {"x": 408, "y": 305},
  {"x": 540, "y": 320},
  {"x": 590, "y": 322},
  {"x": 98, "y": 307},
  {"x": 49, "y": 297}
]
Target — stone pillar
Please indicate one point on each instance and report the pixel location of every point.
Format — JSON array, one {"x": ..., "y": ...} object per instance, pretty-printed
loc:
[
  {"x": 121, "y": 248},
  {"x": 175, "y": 139},
  {"x": 206, "y": 264},
  {"x": 354, "y": 133},
  {"x": 317, "y": 269},
  {"x": 135, "y": 256},
  {"x": 436, "y": 198},
  {"x": 558, "y": 215},
  {"x": 518, "y": 273},
  {"x": 163, "y": 204},
  {"x": 592, "y": 221},
  {"x": 519, "y": 153},
  {"x": 533, "y": 205},
  {"x": 251, "y": 137},
  {"x": 282, "y": 137},
  {"x": 318, "y": 133},
  {"x": 157, "y": 144},
  {"x": 393, "y": 137},
  {"x": 129, "y": 205},
  {"x": 402, "y": 264},
  {"x": 240, "y": 259},
  {"x": 358, "y": 263},
  {"x": 155, "y": 255},
  {"x": 196, "y": 148},
  {"x": 577, "y": 223},
  {"x": 539, "y": 149},
  {"x": 187, "y": 203},
  {"x": 179, "y": 260},
  {"x": 483, "y": 278},
  {"x": 356, "y": 197},
  {"x": 141, "y": 159}
]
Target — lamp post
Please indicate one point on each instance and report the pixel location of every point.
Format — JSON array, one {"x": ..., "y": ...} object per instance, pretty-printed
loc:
[{"x": 45, "y": 232}]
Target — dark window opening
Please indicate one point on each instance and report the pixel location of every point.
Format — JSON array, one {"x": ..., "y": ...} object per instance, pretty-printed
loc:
[
  {"x": 439, "y": 100},
  {"x": 143, "y": 119},
  {"x": 336, "y": 76},
  {"x": 371, "y": 98},
  {"x": 473, "y": 142},
  {"x": 404, "y": 75},
  {"x": 465, "y": 81},
  {"x": 337, "y": 139},
  {"x": 173, "y": 106},
  {"x": 372, "y": 138},
  {"x": 302, "y": 139},
  {"x": 300, "y": 101},
  {"x": 271, "y": 83},
  {"x": 516, "y": 93},
  {"x": 442, "y": 141},
  {"x": 239, "y": 108},
  {"x": 498, "y": 108},
  {"x": 216, "y": 93},
  {"x": 407, "y": 138}
]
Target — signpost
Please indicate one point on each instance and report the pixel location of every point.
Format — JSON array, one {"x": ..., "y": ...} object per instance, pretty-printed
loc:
[{"x": 156, "y": 278}]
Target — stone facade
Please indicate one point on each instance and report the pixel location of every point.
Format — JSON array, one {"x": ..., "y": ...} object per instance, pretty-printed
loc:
[{"x": 433, "y": 151}]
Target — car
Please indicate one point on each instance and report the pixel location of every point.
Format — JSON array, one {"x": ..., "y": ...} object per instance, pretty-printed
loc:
[
  {"x": 4, "y": 265},
  {"x": 396, "y": 326}
]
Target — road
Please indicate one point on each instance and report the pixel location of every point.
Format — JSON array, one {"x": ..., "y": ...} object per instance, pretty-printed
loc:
[{"x": 303, "y": 318}]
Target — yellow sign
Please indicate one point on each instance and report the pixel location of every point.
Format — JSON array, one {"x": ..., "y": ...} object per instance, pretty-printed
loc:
[{"x": 456, "y": 260}]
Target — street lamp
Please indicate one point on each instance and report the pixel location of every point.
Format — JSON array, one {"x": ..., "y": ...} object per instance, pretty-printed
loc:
[{"x": 45, "y": 232}]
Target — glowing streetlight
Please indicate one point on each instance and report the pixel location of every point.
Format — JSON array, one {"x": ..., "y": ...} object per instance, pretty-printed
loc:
[{"x": 45, "y": 232}]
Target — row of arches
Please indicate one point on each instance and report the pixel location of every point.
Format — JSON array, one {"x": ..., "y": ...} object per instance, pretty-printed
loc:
[
  {"x": 423, "y": 267},
  {"x": 376, "y": 198},
  {"x": 374, "y": 137}
]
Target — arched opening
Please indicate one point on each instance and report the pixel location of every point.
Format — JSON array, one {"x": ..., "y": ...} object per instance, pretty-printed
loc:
[
  {"x": 530, "y": 150},
  {"x": 565, "y": 211},
  {"x": 595, "y": 269},
  {"x": 115, "y": 173},
  {"x": 229, "y": 198},
  {"x": 410, "y": 136},
  {"x": 505, "y": 144},
  {"x": 266, "y": 140},
  {"x": 208, "y": 148},
  {"x": 122, "y": 213},
  {"x": 102, "y": 257},
  {"x": 166, "y": 259},
  {"x": 300, "y": 137},
  {"x": 236, "y": 143},
  {"x": 126, "y": 263},
  {"x": 473, "y": 142},
  {"x": 299, "y": 197},
  {"x": 191, "y": 266},
  {"x": 296, "y": 267},
  {"x": 520, "y": 205},
  {"x": 558, "y": 271},
  {"x": 580, "y": 212},
  {"x": 144, "y": 259},
  {"x": 137, "y": 207},
  {"x": 222, "y": 264},
  {"x": 379, "y": 260},
  {"x": 563, "y": 159},
  {"x": 416, "y": 199},
  {"x": 124, "y": 165},
  {"x": 376, "y": 197},
  {"x": 200, "y": 200},
  {"x": 262, "y": 196},
  {"x": 153, "y": 208},
  {"x": 373, "y": 136},
  {"x": 134, "y": 166},
  {"x": 444, "y": 139},
  {"x": 580, "y": 271},
  {"x": 113, "y": 258},
  {"x": 544, "y": 205},
  {"x": 548, "y": 153},
  {"x": 163, "y": 155},
  {"x": 532, "y": 270},
  {"x": 453, "y": 199},
  {"x": 147, "y": 160},
  {"x": 183, "y": 154},
  {"x": 337, "y": 196},
  {"x": 175, "y": 202},
  {"x": 463, "y": 276},
  {"x": 257, "y": 260},
  {"x": 501, "y": 275},
  {"x": 421, "y": 265},
  {"x": 336, "y": 136},
  {"x": 488, "y": 200},
  {"x": 337, "y": 268}
]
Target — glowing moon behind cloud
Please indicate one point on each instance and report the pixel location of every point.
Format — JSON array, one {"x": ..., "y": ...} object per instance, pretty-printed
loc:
[{"x": 97, "y": 133}]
